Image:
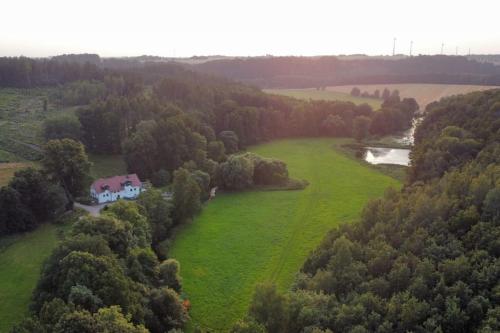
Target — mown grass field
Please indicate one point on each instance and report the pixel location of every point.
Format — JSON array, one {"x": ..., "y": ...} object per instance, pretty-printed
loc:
[
  {"x": 423, "y": 93},
  {"x": 241, "y": 239},
  {"x": 326, "y": 95},
  {"x": 21, "y": 258}
]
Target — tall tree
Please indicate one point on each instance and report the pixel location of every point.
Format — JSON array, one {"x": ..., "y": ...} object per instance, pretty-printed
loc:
[
  {"x": 43, "y": 198},
  {"x": 186, "y": 195},
  {"x": 62, "y": 127},
  {"x": 66, "y": 162},
  {"x": 361, "y": 127}
]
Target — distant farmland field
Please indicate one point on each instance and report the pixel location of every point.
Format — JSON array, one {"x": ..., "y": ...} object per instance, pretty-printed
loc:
[
  {"x": 423, "y": 93},
  {"x": 241, "y": 239},
  {"x": 327, "y": 95}
]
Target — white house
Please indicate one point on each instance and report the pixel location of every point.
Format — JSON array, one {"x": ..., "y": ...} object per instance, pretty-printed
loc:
[{"x": 115, "y": 188}]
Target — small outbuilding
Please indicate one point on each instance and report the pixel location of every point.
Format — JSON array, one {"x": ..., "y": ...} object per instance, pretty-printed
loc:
[{"x": 115, "y": 188}]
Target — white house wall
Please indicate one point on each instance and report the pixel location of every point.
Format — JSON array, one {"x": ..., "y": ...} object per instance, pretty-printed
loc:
[{"x": 128, "y": 192}]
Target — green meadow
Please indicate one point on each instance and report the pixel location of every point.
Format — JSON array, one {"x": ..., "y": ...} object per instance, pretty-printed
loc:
[
  {"x": 241, "y": 239},
  {"x": 327, "y": 95},
  {"x": 21, "y": 259}
]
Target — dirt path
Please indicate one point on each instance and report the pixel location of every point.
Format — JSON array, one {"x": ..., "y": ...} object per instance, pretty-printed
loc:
[{"x": 92, "y": 210}]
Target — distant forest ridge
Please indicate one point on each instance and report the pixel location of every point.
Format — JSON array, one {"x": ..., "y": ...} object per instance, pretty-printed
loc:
[
  {"x": 275, "y": 72},
  {"x": 298, "y": 72}
]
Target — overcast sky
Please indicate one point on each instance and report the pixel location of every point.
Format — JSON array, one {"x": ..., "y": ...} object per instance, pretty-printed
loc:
[{"x": 253, "y": 27}]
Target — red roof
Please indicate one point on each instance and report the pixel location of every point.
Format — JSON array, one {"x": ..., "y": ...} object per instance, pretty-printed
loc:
[{"x": 116, "y": 183}]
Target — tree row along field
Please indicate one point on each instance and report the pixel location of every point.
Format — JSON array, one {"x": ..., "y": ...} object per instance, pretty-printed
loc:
[
  {"x": 422, "y": 92},
  {"x": 244, "y": 238},
  {"x": 326, "y": 95}
]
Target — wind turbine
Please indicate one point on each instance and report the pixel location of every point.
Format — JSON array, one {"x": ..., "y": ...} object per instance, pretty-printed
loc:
[
  {"x": 394, "y": 47},
  {"x": 411, "y": 47}
]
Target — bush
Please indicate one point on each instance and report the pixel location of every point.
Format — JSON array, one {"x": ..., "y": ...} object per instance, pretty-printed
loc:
[
  {"x": 269, "y": 171},
  {"x": 169, "y": 274},
  {"x": 236, "y": 173},
  {"x": 62, "y": 127}
]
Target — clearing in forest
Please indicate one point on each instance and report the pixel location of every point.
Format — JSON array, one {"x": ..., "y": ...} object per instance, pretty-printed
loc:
[{"x": 241, "y": 239}]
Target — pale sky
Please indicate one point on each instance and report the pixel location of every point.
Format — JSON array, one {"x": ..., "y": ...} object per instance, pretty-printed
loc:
[{"x": 247, "y": 28}]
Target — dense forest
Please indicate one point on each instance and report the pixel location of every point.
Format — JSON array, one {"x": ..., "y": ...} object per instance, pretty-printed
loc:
[
  {"x": 306, "y": 72},
  {"x": 425, "y": 259},
  {"x": 25, "y": 72}
]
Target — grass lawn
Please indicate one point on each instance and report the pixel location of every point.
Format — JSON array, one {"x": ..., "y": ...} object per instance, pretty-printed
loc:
[
  {"x": 241, "y": 239},
  {"x": 21, "y": 258},
  {"x": 326, "y": 95},
  {"x": 107, "y": 165}
]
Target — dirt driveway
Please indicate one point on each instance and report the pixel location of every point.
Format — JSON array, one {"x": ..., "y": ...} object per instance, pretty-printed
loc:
[{"x": 92, "y": 210}]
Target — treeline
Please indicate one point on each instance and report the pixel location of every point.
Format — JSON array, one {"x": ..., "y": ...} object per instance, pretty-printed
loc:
[
  {"x": 385, "y": 95},
  {"x": 306, "y": 72},
  {"x": 25, "y": 72},
  {"x": 425, "y": 259}
]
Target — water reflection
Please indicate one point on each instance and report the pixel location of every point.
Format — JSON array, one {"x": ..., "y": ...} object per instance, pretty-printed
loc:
[{"x": 387, "y": 156}]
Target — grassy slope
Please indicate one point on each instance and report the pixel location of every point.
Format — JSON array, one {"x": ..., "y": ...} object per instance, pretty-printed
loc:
[
  {"x": 21, "y": 258},
  {"x": 326, "y": 95},
  {"x": 423, "y": 93},
  {"x": 241, "y": 239}
]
